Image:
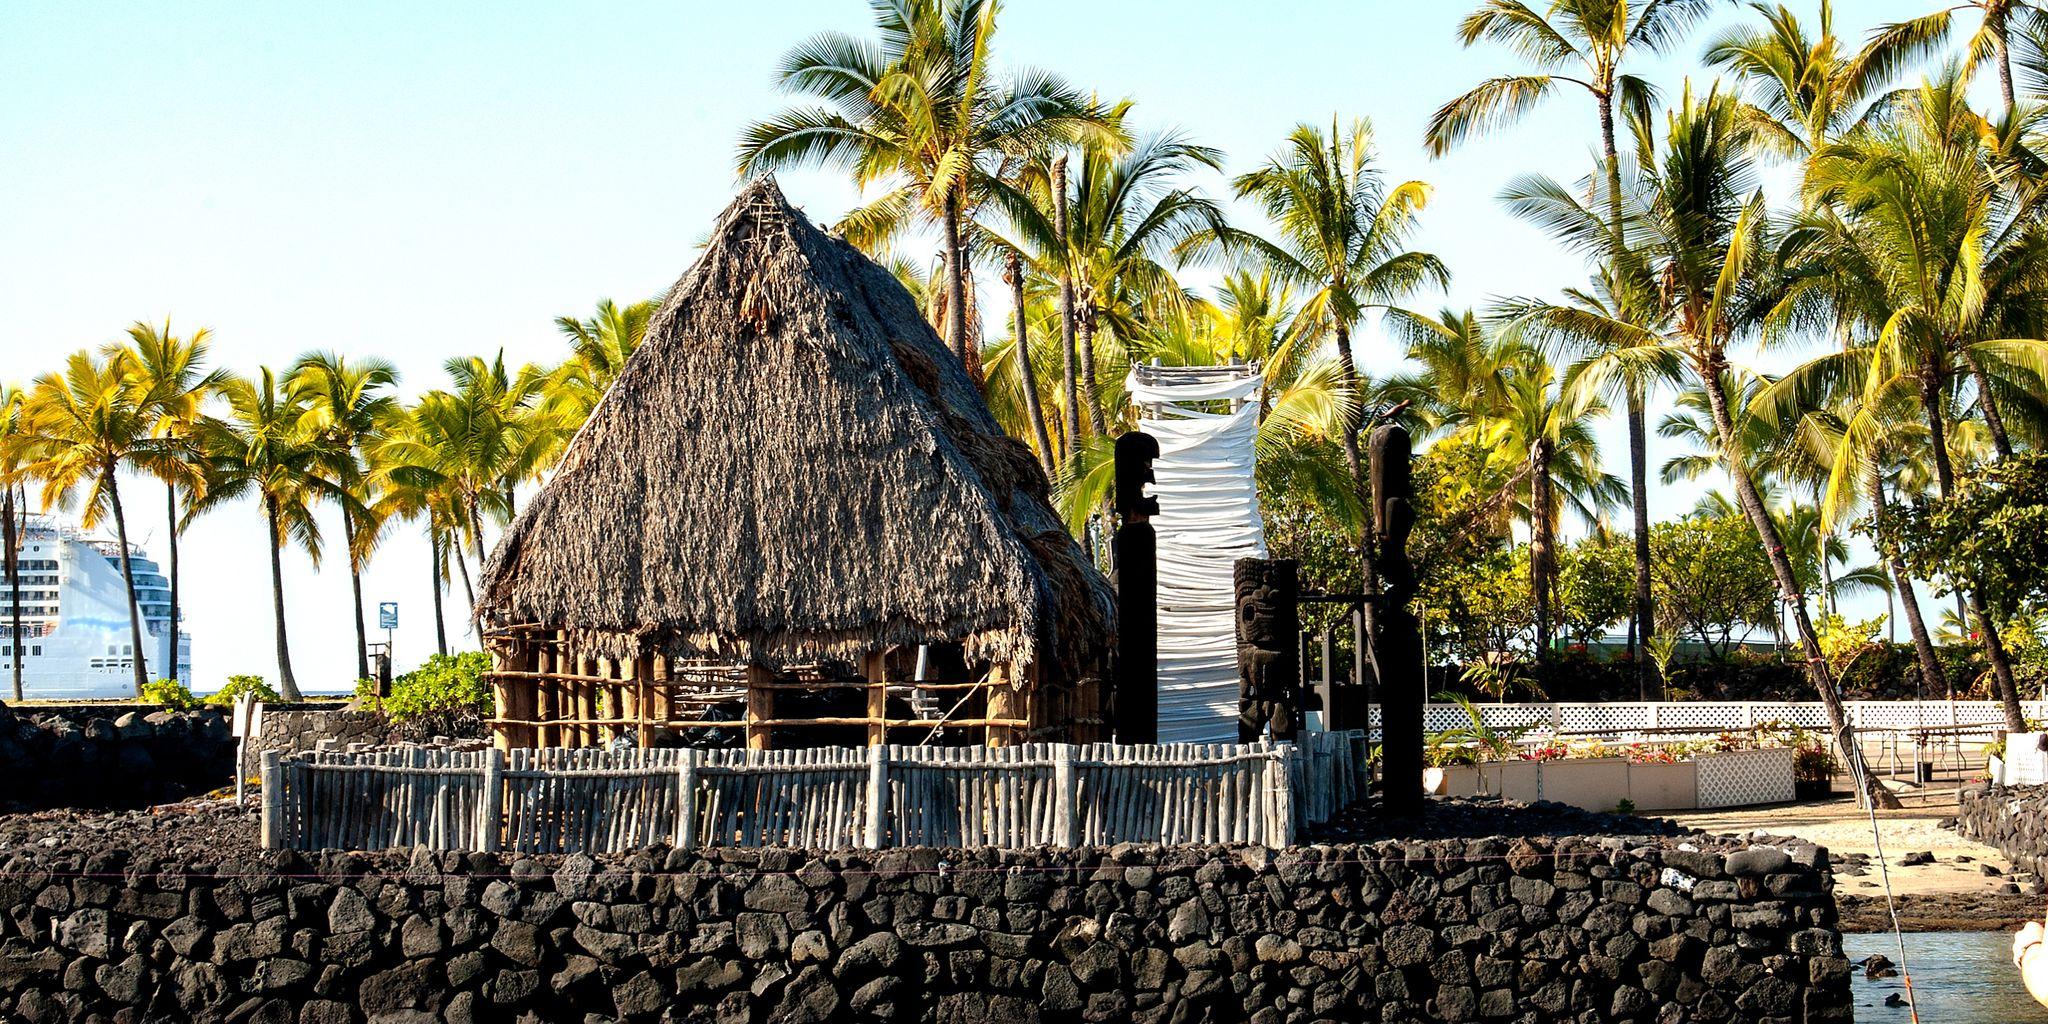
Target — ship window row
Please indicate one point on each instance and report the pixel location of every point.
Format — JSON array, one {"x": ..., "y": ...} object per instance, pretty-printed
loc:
[
  {"x": 29, "y": 630},
  {"x": 112, "y": 664},
  {"x": 34, "y": 650},
  {"x": 36, "y": 564},
  {"x": 28, "y": 595},
  {"x": 28, "y": 580}
]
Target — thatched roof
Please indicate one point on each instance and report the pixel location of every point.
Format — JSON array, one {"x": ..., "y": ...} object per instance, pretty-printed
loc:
[{"x": 793, "y": 466}]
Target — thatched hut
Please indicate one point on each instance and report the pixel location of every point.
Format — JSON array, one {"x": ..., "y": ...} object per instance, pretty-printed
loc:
[{"x": 792, "y": 519}]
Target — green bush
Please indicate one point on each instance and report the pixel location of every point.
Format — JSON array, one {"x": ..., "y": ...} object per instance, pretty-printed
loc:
[
  {"x": 446, "y": 684},
  {"x": 170, "y": 694},
  {"x": 239, "y": 685}
]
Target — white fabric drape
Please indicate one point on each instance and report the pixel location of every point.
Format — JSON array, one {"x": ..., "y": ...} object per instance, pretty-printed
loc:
[{"x": 1208, "y": 519}]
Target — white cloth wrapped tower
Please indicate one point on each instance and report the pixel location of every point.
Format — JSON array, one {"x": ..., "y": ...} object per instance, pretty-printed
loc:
[{"x": 1206, "y": 420}]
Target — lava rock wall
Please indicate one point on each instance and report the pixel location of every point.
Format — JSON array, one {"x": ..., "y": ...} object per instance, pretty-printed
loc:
[
  {"x": 102, "y": 756},
  {"x": 1444, "y": 930},
  {"x": 2012, "y": 818}
]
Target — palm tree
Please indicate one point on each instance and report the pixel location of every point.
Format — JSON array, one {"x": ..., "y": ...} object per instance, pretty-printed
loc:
[
  {"x": 1804, "y": 92},
  {"x": 1582, "y": 43},
  {"x": 345, "y": 404},
  {"x": 921, "y": 109},
  {"x": 1703, "y": 234},
  {"x": 266, "y": 450},
  {"x": 83, "y": 426},
  {"x": 1343, "y": 238},
  {"x": 1911, "y": 247},
  {"x": 1013, "y": 275},
  {"x": 2004, "y": 23},
  {"x": 598, "y": 350},
  {"x": 175, "y": 385},
  {"x": 457, "y": 454},
  {"x": 1127, "y": 216},
  {"x": 12, "y": 510}
]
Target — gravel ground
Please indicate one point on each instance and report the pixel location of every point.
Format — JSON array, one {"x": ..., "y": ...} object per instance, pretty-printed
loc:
[{"x": 1966, "y": 886}]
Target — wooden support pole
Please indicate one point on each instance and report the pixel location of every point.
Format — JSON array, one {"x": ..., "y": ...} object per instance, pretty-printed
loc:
[
  {"x": 1280, "y": 783},
  {"x": 1066, "y": 795},
  {"x": 492, "y": 807},
  {"x": 878, "y": 698},
  {"x": 760, "y": 707},
  {"x": 878, "y": 797},
  {"x": 686, "y": 800},
  {"x": 1005, "y": 700},
  {"x": 273, "y": 802}
]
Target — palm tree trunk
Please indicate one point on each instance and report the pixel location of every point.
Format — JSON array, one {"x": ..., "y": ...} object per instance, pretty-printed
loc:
[
  {"x": 171, "y": 510},
  {"x": 1353, "y": 415},
  {"x": 287, "y": 684},
  {"x": 1088, "y": 396},
  {"x": 1539, "y": 541},
  {"x": 1068, "y": 358},
  {"x": 1817, "y": 671},
  {"x": 1013, "y": 271},
  {"x": 355, "y": 583},
  {"x": 1945, "y": 476},
  {"x": 10, "y": 540},
  {"x": 140, "y": 661},
  {"x": 1997, "y": 25},
  {"x": 956, "y": 281},
  {"x": 1644, "y": 614},
  {"x": 440, "y": 626},
  {"x": 2000, "y": 441}
]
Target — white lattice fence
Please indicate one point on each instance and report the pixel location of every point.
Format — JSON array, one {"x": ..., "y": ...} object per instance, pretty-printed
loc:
[
  {"x": 1739, "y": 778},
  {"x": 1627, "y": 721}
]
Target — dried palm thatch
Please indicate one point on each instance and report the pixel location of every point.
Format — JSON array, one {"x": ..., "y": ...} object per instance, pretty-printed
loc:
[{"x": 793, "y": 468}]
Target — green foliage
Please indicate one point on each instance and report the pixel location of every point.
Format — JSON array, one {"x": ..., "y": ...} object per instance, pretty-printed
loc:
[
  {"x": 1711, "y": 577},
  {"x": 446, "y": 684},
  {"x": 1596, "y": 581},
  {"x": 239, "y": 685},
  {"x": 1992, "y": 534},
  {"x": 1624, "y": 806},
  {"x": 169, "y": 693},
  {"x": 1842, "y": 641}
]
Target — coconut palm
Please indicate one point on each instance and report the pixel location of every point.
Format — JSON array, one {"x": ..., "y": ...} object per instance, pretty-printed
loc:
[
  {"x": 266, "y": 449},
  {"x": 1342, "y": 239},
  {"x": 13, "y": 509},
  {"x": 2003, "y": 27},
  {"x": 1583, "y": 44},
  {"x": 457, "y": 455},
  {"x": 1913, "y": 248},
  {"x": 1699, "y": 228},
  {"x": 1803, "y": 92},
  {"x": 598, "y": 349},
  {"x": 346, "y": 403},
  {"x": 82, "y": 427},
  {"x": 1129, "y": 215},
  {"x": 175, "y": 385},
  {"x": 920, "y": 110}
]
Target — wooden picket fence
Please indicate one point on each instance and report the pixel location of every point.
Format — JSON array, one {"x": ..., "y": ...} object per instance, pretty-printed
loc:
[{"x": 606, "y": 801}]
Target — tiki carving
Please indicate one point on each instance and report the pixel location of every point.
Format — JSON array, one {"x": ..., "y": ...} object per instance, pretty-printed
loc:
[{"x": 1268, "y": 647}]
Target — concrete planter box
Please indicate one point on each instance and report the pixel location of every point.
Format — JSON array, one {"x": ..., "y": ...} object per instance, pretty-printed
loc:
[
  {"x": 1732, "y": 779},
  {"x": 1664, "y": 787},
  {"x": 1595, "y": 784}
]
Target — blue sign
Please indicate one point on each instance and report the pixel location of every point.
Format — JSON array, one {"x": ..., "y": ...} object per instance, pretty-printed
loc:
[{"x": 387, "y": 615}]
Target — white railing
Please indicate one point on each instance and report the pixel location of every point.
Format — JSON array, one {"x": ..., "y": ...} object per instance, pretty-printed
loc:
[
  {"x": 1632, "y": 720},
  {"x": 599, "y": 801}
]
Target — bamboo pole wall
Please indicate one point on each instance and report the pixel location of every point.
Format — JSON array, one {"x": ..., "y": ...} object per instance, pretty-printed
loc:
[
  {"x": 608, "y": 801},
  {"x": 552, "y": 694}
]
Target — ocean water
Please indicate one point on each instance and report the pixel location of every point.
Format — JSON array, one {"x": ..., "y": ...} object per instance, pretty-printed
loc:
[{"x": 1958, "y": 978}]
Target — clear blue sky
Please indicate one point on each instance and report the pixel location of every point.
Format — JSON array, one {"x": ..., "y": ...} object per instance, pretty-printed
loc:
[{"x": 420, "y": 181}]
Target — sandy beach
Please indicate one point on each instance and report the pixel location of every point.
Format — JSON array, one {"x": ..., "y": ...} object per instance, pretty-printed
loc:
[{"x": 1967, "y": 886}]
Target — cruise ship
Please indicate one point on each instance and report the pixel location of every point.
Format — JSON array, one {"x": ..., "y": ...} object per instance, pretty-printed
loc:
[{"x": 75, "y": 642}]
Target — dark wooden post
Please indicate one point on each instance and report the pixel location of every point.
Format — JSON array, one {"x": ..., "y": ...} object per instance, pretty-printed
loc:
[
  {"x": 1396, "y": 636},
  {"x": 1137, "y": 592},
  {"x": 1268, "y": 636}
]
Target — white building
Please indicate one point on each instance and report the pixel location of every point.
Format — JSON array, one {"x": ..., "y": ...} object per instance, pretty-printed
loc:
[{"x": 75, "y": 641}]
